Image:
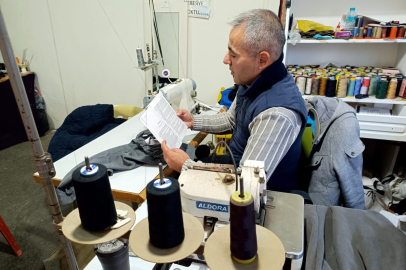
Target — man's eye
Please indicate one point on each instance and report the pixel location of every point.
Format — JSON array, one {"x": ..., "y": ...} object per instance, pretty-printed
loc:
[{"x": 233, "y": 56}]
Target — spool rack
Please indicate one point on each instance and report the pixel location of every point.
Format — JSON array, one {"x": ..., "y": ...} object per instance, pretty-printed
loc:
[{"x": 357, "y": 52}]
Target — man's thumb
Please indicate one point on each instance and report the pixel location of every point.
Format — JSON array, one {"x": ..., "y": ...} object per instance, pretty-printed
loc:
[{"x": 163, "y": 145}]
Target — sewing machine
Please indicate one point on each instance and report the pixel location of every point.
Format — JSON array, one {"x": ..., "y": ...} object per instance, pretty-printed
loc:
[
  {"x": 206, "y": 188},
  {"x": 205, "y": 191},
  {"x": 179, "y": 94}
]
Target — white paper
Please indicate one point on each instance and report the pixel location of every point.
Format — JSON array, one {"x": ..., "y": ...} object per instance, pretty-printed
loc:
[
  {"x": 373, "y": 110},
  {"x": 160, "y": 118},
  {"x": 199, "y": 8}
]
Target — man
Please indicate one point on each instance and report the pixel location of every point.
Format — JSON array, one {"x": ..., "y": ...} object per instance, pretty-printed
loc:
[{"x": 268, "y": 115}]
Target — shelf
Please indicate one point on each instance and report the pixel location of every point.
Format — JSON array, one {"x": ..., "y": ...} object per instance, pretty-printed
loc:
[
  {"x": 148, "y": 66},
  {"x": 367, "y": 100},
  {"x": 344, "y": 41}
]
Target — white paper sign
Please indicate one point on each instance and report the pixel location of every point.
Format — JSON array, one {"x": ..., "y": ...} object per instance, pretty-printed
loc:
[{"x": 199, "y": 8}]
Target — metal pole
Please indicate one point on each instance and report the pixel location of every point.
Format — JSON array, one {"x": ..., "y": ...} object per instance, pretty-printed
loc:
[{"x": 43, "y": 161}]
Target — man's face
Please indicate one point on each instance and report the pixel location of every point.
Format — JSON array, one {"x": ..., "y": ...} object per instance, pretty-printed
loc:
[{"x": 243, "y": 67}]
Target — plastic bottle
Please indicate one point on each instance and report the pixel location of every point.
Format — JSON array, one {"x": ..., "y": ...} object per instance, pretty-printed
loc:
[{"x": 350, "y": 20}]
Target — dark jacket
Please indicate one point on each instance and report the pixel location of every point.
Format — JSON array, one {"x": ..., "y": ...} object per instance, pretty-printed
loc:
[
  {"x": 274, "y": 87},
  {"x": 82, "y": 126},
  {"x": 336, "y": 162}
]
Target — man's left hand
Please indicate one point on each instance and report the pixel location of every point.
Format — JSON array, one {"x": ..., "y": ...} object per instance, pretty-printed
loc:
[{"x": 174, "y": 157}]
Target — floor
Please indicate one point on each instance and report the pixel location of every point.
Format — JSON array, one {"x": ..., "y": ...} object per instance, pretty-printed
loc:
[{"x": 24, "y": 208}]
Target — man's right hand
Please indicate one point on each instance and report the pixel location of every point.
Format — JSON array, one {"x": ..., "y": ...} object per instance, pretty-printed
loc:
[{"x": 186, "y": 117}]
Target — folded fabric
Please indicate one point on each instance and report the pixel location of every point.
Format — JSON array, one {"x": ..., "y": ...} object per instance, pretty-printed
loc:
[
  {"x": 312, "y": 33},
  {"x": 343, "y": 238},
  {"x": 121, "y": 158}
]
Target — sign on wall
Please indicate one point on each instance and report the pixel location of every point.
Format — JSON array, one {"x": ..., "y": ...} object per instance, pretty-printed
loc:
[{"x": 199, "y": 8}]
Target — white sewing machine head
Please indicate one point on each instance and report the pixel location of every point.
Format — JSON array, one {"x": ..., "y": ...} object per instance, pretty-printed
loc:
[
  {"x": 179, "y": 94},
  {"x": 206, "y": 188}
]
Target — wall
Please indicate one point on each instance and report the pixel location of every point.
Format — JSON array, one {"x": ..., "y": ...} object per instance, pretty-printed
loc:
[
  {"x": 208, "y": 41},
  {"x": 83, "y": 52}
]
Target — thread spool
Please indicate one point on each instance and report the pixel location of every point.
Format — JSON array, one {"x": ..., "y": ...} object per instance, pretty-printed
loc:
[
  {"x": 384, "y": 31},
  {"x": 357, "y": 86},
  {"x": 382, "y": 89},
  {"x": 402, "y": 88},
  {"x": 351, "y": 86},
  {"x": 140, "y": 57},
  {"x": 404, "y": 94},
  {"x": 309, "y": 81},
  {"x": 94, "y": 198},
  {"x": 369, "y": 32},
  {"x": 331, "y": 87},
  {"x": 315, "y": 86},
  {"x": 378, "y": 32},
  {"x": 243, "y": 238},
  {"x": 323, "y": 86},
  {"x": 365, "y": 86},
  {"x": 342, "y": 87},
  {"x": 165, "y": 213},
  {"x": 401, "y": 32},
  {"x": 373, "y": 86},
  {"x": 361, "y": 32},
  {"x": 374, "y": 29},
  {"x": 393, "y": 32},
  {"x": 301, "y": 84},
  {"x": 398, "y": 86},
  {"x": 356, "y": 30},
  {"x": 391, "y": 94}
]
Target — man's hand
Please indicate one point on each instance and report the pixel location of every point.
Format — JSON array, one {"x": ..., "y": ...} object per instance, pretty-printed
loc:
[
  {"x": 186, "y": 117},
  {"x": 174, "y": 157}
]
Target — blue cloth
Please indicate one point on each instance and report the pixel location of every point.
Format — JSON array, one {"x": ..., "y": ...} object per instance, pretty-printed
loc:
[
  {"x": 274, "y": 87},
  {"x": 82, "y": 126},
  {"x": 318, "y": 36},
  {"x": 225, "y": 101},
  {"x": 310, "y": 121}
]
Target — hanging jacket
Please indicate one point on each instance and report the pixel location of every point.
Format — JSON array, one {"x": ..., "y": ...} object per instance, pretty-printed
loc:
[
  {"x": 335, "y": 163},
  {"x": 274, "y": 87}
]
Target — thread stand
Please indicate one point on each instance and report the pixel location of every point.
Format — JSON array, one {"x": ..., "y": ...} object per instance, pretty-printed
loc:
[
  {"x": 270, "y": 256},
  {"x": 140, "y": 241},
  {"x": 221, "y": 253},
  {"x": 142, "y": 247},
  {"x": 73, "y": 230}
]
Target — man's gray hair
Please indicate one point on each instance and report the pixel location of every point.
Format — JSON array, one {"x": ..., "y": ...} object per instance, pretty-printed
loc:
[{"x": 263, "y": 32}]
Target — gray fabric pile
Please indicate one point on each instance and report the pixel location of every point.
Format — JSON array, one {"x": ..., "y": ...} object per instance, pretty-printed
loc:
[
  {"x": 342, "y": 238},
  {"x": 121, "y": 158}
]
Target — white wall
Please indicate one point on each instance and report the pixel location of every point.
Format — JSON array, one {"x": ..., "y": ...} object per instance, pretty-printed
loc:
[
  {"x": 401, "y": 58},
  {"x": 82, "y": 54},
  {"x": 85, "y": 55},
  {"x": 208, "y": 41}
]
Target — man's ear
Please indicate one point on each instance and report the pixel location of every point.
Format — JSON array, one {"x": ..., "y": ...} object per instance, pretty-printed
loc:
[{"x": 264, "y": 60}]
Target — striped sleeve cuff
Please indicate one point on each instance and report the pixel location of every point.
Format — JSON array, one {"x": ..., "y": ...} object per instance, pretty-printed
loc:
[
  {"x": 197, "y": 122},
  {"x": 184, "y": 167}
]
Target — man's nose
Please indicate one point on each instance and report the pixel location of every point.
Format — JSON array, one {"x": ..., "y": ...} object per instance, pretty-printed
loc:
[{"x": 226, "y": 59}]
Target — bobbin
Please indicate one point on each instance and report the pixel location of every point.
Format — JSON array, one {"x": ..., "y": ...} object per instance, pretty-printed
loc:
[
  {"x": 192, "y": 234},
  {"x": 270, "y": 255},
  {"x": 141, "y": 246},
  {"x": 72, "y": 229}
]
